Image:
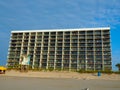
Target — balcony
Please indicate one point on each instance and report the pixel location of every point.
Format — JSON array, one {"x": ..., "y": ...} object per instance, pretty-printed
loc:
[
  {"x": 52, "y": 41},
  {"x": 82, "y": 57},
  {"x": 74, "y": 45},
  {"x": 45, "y": 41},
  {"x": 67, "y": 37},
  {"x": 13, "y": 41},
  {"x": 52, "y": 49},
  {"x": 89, "y": 48},
  {"x": 89, "y": 37},
  {"x": 74, "y": 49},
  {"x": 38, "y": 45},
  {"x": 97, "y": 32},
  {"x": 66, "y": 52},
  {"x": 60, "y": 33},
  {"x": 52, "y": 37},
  {"x": 106, "y": 36},
  {"x": 82, "y": 45},
  {"x": 59, "y": 52},
  {"x": 53, "y": 53},
  {"x": 58, "y": 61},
  {"x": 89, "y": 53},
  {"x": 74, "y": 41},
  {"x": 106, "y": 40},
  {"x": 90, "y": 57},
  {"x": 98, "y": 53},
  {"x": 74, "y": 37},
  {"x": 106, "y": 32},
  {"x": 89, "y": 45},
  {"x": 14, "y": 38},
  {"x": 44, "y": 52},
  {"x": 74, "y": 32},
  {"x": 66, "y": 49},
  {"x": 98, "y": 49},
  {"x": 106, "y": 45},
  {"x": 46, "y": 33},
  {"x": 39, "y": 34},
  {"x": 106, "y": 53},
  {"x": 59, "y": 41},
  {"x": 60, "y": 37},
  {"x": 33, "y": 34},
  {"x": 98, "y": 57},
  {"x": 45, "y": 48},
  {"x": 106, "y": 49},
  {"x": 81, "y": 52},
  {"x": 107, "y": 62},
  {"x": 66, "y": 62},
  {"x": 82, "y": 49},
  {"x": 89, "y": 41},
  {"x": 98, "y": 37},
  {"x": 39, "y": 37},
  {"x": 59, "y": 57},
  {"x": 67, "y": 33},
  {"x": 98, "y": 45},
  {"x": 98, "y": 62},
  {"x": 73, "y": 62},
  {"x": 81, "y": 37},
  {"x": 20, "y": 38},
  {"x": 74, "y": 52},
  {"x": 82, "y": 33},
  {"x": 89, "y": 32},
  {"x": 46, "y": 37},
  {"x": 81, "y": 41},
  {"x": 98, "y": 41},
  {"x": 67, "y": 45},
  {"x": 52, "y": 33}
]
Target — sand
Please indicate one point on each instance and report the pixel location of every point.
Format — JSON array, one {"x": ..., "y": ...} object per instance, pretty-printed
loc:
[
  {"x": 29, "y": 83},
  {"x": 15, "y": 80},
  {"x": 63, "y": 74}
]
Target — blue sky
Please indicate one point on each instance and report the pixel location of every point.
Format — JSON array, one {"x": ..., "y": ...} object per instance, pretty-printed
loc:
[{"x": 56, "y": 14}]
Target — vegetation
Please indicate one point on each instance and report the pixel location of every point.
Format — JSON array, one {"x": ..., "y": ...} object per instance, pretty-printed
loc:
[
  {"x": 118, "y": 66},
  {"x": 91, "y": 71},
  {"x": 17, "y": 67}
]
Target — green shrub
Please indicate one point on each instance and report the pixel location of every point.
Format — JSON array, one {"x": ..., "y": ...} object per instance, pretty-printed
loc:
[
  {"x": 117, "y": 72},
  {"x": 58, "y": 69},
  {"x": 88, "y": 71},
  {"x": 107, "y": 72},
  {"x": 50, "y": 69}
]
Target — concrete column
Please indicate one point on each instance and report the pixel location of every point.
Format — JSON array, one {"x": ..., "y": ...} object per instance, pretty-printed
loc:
[
  {"x": 78, "y": 62},
  {"x": 62, "y": 52},
  {"x": 33, "y": 66},
  {"x": 70, "y": 52},
  {"x": 102, "y": 51},
  {"x": 94, "y": 50},
  {"x": 55, "y": 51},
  {"x": 40, "y": 65},
  {"x": 86, "y": 50}
]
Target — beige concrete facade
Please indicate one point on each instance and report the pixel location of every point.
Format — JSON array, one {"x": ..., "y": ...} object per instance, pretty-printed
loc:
[{"x": 71, "y": 49}]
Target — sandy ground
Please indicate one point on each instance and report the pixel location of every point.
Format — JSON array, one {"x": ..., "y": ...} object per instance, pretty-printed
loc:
[
  {"x": 29, "y": 83},
  {"x": 15, "y": 80},
  {"x": 55, "y": 74}
]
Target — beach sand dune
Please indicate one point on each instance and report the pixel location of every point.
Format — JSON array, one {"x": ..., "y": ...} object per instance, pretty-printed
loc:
[
  {"x": 63, "y": 74},
  {"x": 15, "y": 80}
]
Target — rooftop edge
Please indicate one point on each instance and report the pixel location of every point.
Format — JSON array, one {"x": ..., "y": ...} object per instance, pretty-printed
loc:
[{"x": 50, "y": 30}]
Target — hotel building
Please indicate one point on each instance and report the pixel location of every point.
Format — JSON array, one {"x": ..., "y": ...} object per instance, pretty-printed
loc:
[{"x": 64, "y": 49}]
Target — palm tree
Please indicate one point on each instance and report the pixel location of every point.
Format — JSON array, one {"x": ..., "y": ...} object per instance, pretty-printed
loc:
[{"x": 118, "y": 66}]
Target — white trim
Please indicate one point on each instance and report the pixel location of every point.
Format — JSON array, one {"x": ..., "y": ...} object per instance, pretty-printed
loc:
[{"x": 51, "y": 30}]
